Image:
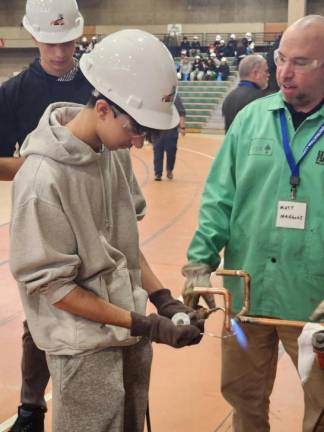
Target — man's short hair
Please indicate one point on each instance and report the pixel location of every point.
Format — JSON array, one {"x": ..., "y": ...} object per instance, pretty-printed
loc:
[{"x": 249, "y": 63}]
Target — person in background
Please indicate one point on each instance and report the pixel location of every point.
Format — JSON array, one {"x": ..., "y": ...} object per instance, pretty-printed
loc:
[
  {"x": 185, "y": 69},
  {"x": 84, "y": 45},
  {"x": 84, "y": 283},
  {"x": 223, "y": 70},
  {"x": 231, "y": 46},
  {"x": 263, "y": 204},
  {"x": 195, "y": 47},
  {"x": 211, "y": 68},
  {"x": 221, "y": 50},
  {"x": 242, "y": 50},
  {"x": 185, "y": 45},
  {"x": 198, "y": 69},
  {"x": 273, "y": 85},
  {"x": 254, "y": 76},
  {"x": 92, "y": 44},
  {"x": 166, "y": 143},
  {"x": 218, "y": 38},
  {"x": 250, "y": 43}
]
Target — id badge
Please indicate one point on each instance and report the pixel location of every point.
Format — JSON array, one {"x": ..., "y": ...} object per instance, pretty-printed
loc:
[{"x": 291, "y": 214}]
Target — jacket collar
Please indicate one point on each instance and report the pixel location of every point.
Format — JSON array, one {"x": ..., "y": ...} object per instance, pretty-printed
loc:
[{"x": 277, "y": 102}]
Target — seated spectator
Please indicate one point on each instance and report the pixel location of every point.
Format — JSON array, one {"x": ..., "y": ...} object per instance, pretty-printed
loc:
[
  {"x": 92, "y": 43},
  {"x": 251, "y": 44},
  {"x": 223, "y": 70},
  {"x": 185, "y": 45},
  {"x": 183, "y": 54},
  {"x": 195, "y": 47},
  {"x": 198, "y": 69},
  {"x": 84, "y": 44},
  {"x": 211, "y": 69},
  {"x": 221, "y": 50},
  {"x": 215, "y": 59},
  {"x": 211, "y": 49},
  {"x": 218, "y": 38},
  {"x": 185, "y": 69},
  {"x": 242, "y": 51},
  {"x": 231, "y": 46}
]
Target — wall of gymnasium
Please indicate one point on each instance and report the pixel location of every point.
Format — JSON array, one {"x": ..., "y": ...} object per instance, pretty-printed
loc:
[
  {"x": 196, "y": 16},
  {"x": 208, "y": 16}
]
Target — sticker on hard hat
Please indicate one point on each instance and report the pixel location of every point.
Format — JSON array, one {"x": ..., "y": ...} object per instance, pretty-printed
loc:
[
  {"x": 58, "y": 21},
  {"x": 170, "y": 97}
]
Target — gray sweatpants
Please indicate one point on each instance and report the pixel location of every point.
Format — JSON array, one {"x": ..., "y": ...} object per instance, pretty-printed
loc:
[{"x": 102, "y": 392}]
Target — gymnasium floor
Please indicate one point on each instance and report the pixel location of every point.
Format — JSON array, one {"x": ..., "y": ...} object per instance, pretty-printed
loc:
[{"x": 185, "y": 385}]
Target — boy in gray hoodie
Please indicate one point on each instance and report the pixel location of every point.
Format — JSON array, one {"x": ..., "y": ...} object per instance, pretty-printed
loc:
[{"x": 75, "y": 251}]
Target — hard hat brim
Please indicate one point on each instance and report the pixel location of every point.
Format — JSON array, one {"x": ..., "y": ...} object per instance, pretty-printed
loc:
[
  {"x": 160, "y": 117},
  {"x": 57, "y": 36}
]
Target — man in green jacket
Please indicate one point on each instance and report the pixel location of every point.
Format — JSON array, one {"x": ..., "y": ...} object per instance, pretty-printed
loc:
[{"x": 263, "y": 203}]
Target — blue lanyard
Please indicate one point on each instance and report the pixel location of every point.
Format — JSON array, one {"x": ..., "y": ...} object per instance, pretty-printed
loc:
[
  {"x": 244, "y": 83},
  {"x": 294, "y": 166}
]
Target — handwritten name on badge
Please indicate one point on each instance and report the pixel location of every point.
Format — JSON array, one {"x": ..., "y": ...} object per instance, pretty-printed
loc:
[{"x": 291, "y": 214}]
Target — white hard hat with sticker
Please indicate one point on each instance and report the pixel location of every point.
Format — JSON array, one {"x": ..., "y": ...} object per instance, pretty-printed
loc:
[
  {"x": 135, "y": 70},
  {"x": 53, "y": 22}
]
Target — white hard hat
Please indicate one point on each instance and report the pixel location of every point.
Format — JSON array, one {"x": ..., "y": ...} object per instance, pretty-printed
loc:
[
  {"x": 224, "y": 59},
  {"x": 232, "y": 36},
  {"x": 248, "y": 34},
  {"x": 195, "y": 37},
  {"x": 54, "y": 22},
  {"x": 135, "y": 70},
  {"x": 218, "y": 37},
  {"x": 212, "y": 54}
]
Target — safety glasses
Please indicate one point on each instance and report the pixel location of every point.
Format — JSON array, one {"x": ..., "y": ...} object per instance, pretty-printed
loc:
[
  {"x": 135, "y": 129},
  {"x": 300, "y": 64}
]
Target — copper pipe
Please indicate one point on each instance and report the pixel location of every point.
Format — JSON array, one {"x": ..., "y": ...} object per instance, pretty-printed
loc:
[
  {"x": 271, "y": 321},
  {"x": 227, "y": 302},
  {"x": 246, "y": 287}
]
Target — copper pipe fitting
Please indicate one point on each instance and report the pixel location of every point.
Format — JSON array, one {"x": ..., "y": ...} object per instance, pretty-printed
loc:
[
  {"x": 227, "y": 302},
  {"x": 246, "y": 287},
  {"x": 271, "y": 321}
]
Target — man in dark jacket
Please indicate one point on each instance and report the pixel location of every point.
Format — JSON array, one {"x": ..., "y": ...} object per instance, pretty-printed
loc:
[
  {"x": 254, "y": 76},
  {"x": 53, "y": 77}
]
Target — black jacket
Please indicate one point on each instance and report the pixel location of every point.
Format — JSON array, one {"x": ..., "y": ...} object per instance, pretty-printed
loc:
[
  {"x": 237, "y": 99},
  {"x": 24, "y": 98}
]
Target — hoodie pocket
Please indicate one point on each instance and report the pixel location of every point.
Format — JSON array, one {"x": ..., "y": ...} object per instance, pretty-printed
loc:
[{"x": 116, "y": 288}]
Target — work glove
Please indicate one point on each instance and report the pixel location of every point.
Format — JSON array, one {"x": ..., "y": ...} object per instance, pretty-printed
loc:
[
  {"x": 318, "y": 313},
  {"x": 197, "y": 275},
  {"x": 168, "y": 306},
  {"x": 162, "y": 330}
]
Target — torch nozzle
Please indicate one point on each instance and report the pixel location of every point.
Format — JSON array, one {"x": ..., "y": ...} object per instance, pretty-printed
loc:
[{"x": 203, "y": 313}]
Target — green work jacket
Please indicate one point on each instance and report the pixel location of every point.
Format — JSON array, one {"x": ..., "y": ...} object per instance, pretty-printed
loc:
[{"x": 239, "y": 209}]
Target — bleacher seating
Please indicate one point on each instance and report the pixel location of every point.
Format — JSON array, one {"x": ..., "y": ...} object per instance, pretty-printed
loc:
[{"x": 202, "y": 98}]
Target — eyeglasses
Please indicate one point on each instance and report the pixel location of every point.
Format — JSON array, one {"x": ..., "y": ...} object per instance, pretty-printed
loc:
[
  {"x": 130, "y": 124},
  {"x": 300, "y": 64}
]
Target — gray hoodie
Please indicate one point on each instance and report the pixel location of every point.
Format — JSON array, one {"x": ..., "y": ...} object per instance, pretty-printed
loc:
[{"x": 74, "y": 222}]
